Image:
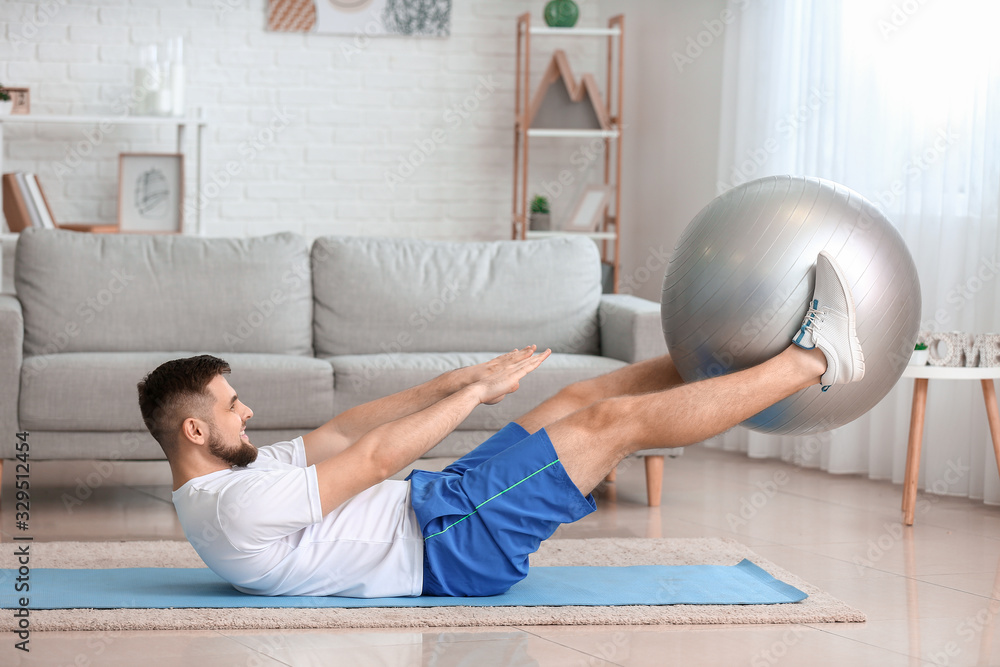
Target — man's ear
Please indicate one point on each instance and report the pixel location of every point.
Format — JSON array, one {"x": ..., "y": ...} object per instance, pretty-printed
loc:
[{"x": 195, "y": 430}]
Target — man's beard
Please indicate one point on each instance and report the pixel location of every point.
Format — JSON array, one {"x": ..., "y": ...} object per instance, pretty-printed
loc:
[{"x": 241, "y": 456}]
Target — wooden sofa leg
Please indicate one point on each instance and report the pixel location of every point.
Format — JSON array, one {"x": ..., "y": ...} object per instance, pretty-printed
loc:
[{"x": 654, "y": 479}]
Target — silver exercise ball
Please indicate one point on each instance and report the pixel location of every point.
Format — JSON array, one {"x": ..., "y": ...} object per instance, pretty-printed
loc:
[{"x": 740, "y": 279}]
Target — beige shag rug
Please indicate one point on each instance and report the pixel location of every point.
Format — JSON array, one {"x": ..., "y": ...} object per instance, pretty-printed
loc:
[{"x": 819, "y": 607}]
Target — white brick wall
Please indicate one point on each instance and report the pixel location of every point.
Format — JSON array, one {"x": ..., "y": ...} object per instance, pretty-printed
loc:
[{"x": 358, "y": 109}]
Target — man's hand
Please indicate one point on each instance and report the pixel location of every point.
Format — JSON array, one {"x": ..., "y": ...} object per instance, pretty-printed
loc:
[
  {"x": 470, "y": 374},
  {"x": 508, "y": 371}
]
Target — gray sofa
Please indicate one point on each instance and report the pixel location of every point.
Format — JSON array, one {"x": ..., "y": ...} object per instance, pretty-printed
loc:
[{"x": 309, "y": 330}]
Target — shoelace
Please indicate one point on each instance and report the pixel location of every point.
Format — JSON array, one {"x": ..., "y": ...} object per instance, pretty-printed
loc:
[{"x": 814, "y": 314}]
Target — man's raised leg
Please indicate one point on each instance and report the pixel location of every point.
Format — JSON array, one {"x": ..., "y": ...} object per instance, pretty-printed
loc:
[
  {"x": 642, "y": 377},
  {"x": 591, "y": 441}
]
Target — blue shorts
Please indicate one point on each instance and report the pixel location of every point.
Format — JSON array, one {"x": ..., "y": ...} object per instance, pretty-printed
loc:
[{"x": 484, "y": 514}]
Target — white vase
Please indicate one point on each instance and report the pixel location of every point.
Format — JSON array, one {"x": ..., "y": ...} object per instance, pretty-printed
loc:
[
  {"x": 919, "y": 358},
  {"x": 5, "y": 107}
]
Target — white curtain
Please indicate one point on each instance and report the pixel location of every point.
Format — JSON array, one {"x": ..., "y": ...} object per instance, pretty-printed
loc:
[{"x": 899, "y": 101}]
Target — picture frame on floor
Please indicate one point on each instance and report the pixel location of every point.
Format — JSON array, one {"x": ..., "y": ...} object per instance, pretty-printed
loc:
[{"x": 151, "y": 193}]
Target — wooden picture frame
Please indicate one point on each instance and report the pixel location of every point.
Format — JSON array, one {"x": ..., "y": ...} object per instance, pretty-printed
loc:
[
  {"x": 151, "y": 193},
  {"x": 21, "y": 97},
  {"x": 589, "y": 211}
]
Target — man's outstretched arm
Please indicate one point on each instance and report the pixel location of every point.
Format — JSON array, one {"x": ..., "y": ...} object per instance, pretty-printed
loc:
[
  {"x": 346, "y": 428},
  {"x": 387, "y": 449}
]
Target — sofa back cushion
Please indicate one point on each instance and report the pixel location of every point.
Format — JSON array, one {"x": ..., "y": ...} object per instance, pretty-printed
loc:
[
  {"x": 375, "y": 295},
  {"x": 141, "y": 293}
]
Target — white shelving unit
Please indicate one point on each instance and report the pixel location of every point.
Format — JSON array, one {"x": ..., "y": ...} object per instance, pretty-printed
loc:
[
  {"x": 183, "y": 125},
  {"x": 609, "y": 235}
]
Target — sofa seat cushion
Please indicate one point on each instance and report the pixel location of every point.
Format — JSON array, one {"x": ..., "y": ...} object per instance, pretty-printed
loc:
[
  {"x": 92, "y": 391},
  {"x": 375, "y": 295},
  {"x": 142, "y": 293},
  {"x": 359, "y": 378}
]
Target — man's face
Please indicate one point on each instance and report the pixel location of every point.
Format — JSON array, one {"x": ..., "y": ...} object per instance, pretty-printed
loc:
[{"x": 227, "y": 439}]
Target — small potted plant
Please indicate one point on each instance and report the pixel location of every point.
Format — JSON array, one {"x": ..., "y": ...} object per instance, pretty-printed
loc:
[
  {"x": 920, "y": 354},
  {"x": 6, "y": 104},
  {"x": 539, "y": 220}
]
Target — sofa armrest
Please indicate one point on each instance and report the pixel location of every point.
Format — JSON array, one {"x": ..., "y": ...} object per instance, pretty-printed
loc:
[
  {"x": 11, "y": 351},
  {"x": 631, "y": 330}
]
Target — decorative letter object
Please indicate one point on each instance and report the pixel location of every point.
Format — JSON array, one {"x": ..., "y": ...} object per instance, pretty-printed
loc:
[
  {"x": 989, "y": 350},
  {"x": 971, "y": 349},
  {"x": 968, "y": 349},
  {"x": 945, "y": 349},
  {"x": 962, "y": 349}
]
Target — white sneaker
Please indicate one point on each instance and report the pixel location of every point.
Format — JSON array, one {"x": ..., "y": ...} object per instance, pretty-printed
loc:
[{"x": 830, "y": 325}]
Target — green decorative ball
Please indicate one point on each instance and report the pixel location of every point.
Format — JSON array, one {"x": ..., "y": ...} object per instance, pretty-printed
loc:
[{"x": 561, "y": 13}]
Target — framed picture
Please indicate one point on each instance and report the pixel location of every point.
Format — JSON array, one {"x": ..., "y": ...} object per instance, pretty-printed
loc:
[
  {"x": 589, "y": 211},
  {"x": 151, "y": 193},
  {"x": 21, "y": 99}
]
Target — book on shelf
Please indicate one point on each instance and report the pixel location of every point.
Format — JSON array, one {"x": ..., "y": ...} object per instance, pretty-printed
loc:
[
  {"x": 22, "y": 183},
  {"x": 15, "y": 208},
  {"x": 24, "y": 203},
  {"x": 41, "y": 203}
]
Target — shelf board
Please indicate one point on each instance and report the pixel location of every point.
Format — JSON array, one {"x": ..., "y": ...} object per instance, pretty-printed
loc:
[
  {"x": 575, "y": 32},
  {"x": 110, "y": 118},
  {"x": 552, "y": 234},
  {"x": 92, "y": 227},
  {"x": 553, "y": 132}
]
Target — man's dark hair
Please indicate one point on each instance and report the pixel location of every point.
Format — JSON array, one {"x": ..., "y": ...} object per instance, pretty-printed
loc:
[{"x": 174, "y": 391}]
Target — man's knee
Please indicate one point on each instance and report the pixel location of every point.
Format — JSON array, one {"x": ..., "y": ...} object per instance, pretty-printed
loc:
[
  {"x": 600, "y": 429},
  {"x": 603, "y": 415},
  {"x": 583, "y": 392}
]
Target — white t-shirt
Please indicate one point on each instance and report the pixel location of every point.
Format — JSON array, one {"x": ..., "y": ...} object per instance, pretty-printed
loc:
[{"x": 262, "y": 529}]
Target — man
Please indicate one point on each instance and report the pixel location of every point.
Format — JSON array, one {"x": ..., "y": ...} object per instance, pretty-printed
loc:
[{"x": 320, "y": 516}]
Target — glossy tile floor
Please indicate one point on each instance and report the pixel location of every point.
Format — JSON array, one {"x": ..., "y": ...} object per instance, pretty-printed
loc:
[{"x": 931, "y": 593}]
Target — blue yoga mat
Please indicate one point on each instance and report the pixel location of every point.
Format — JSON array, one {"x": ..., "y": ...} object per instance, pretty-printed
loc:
[{"x": 163, "y": 588}]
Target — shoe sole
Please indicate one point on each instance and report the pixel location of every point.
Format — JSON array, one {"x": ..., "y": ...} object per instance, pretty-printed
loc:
[{"x": 857, "y": 354}]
